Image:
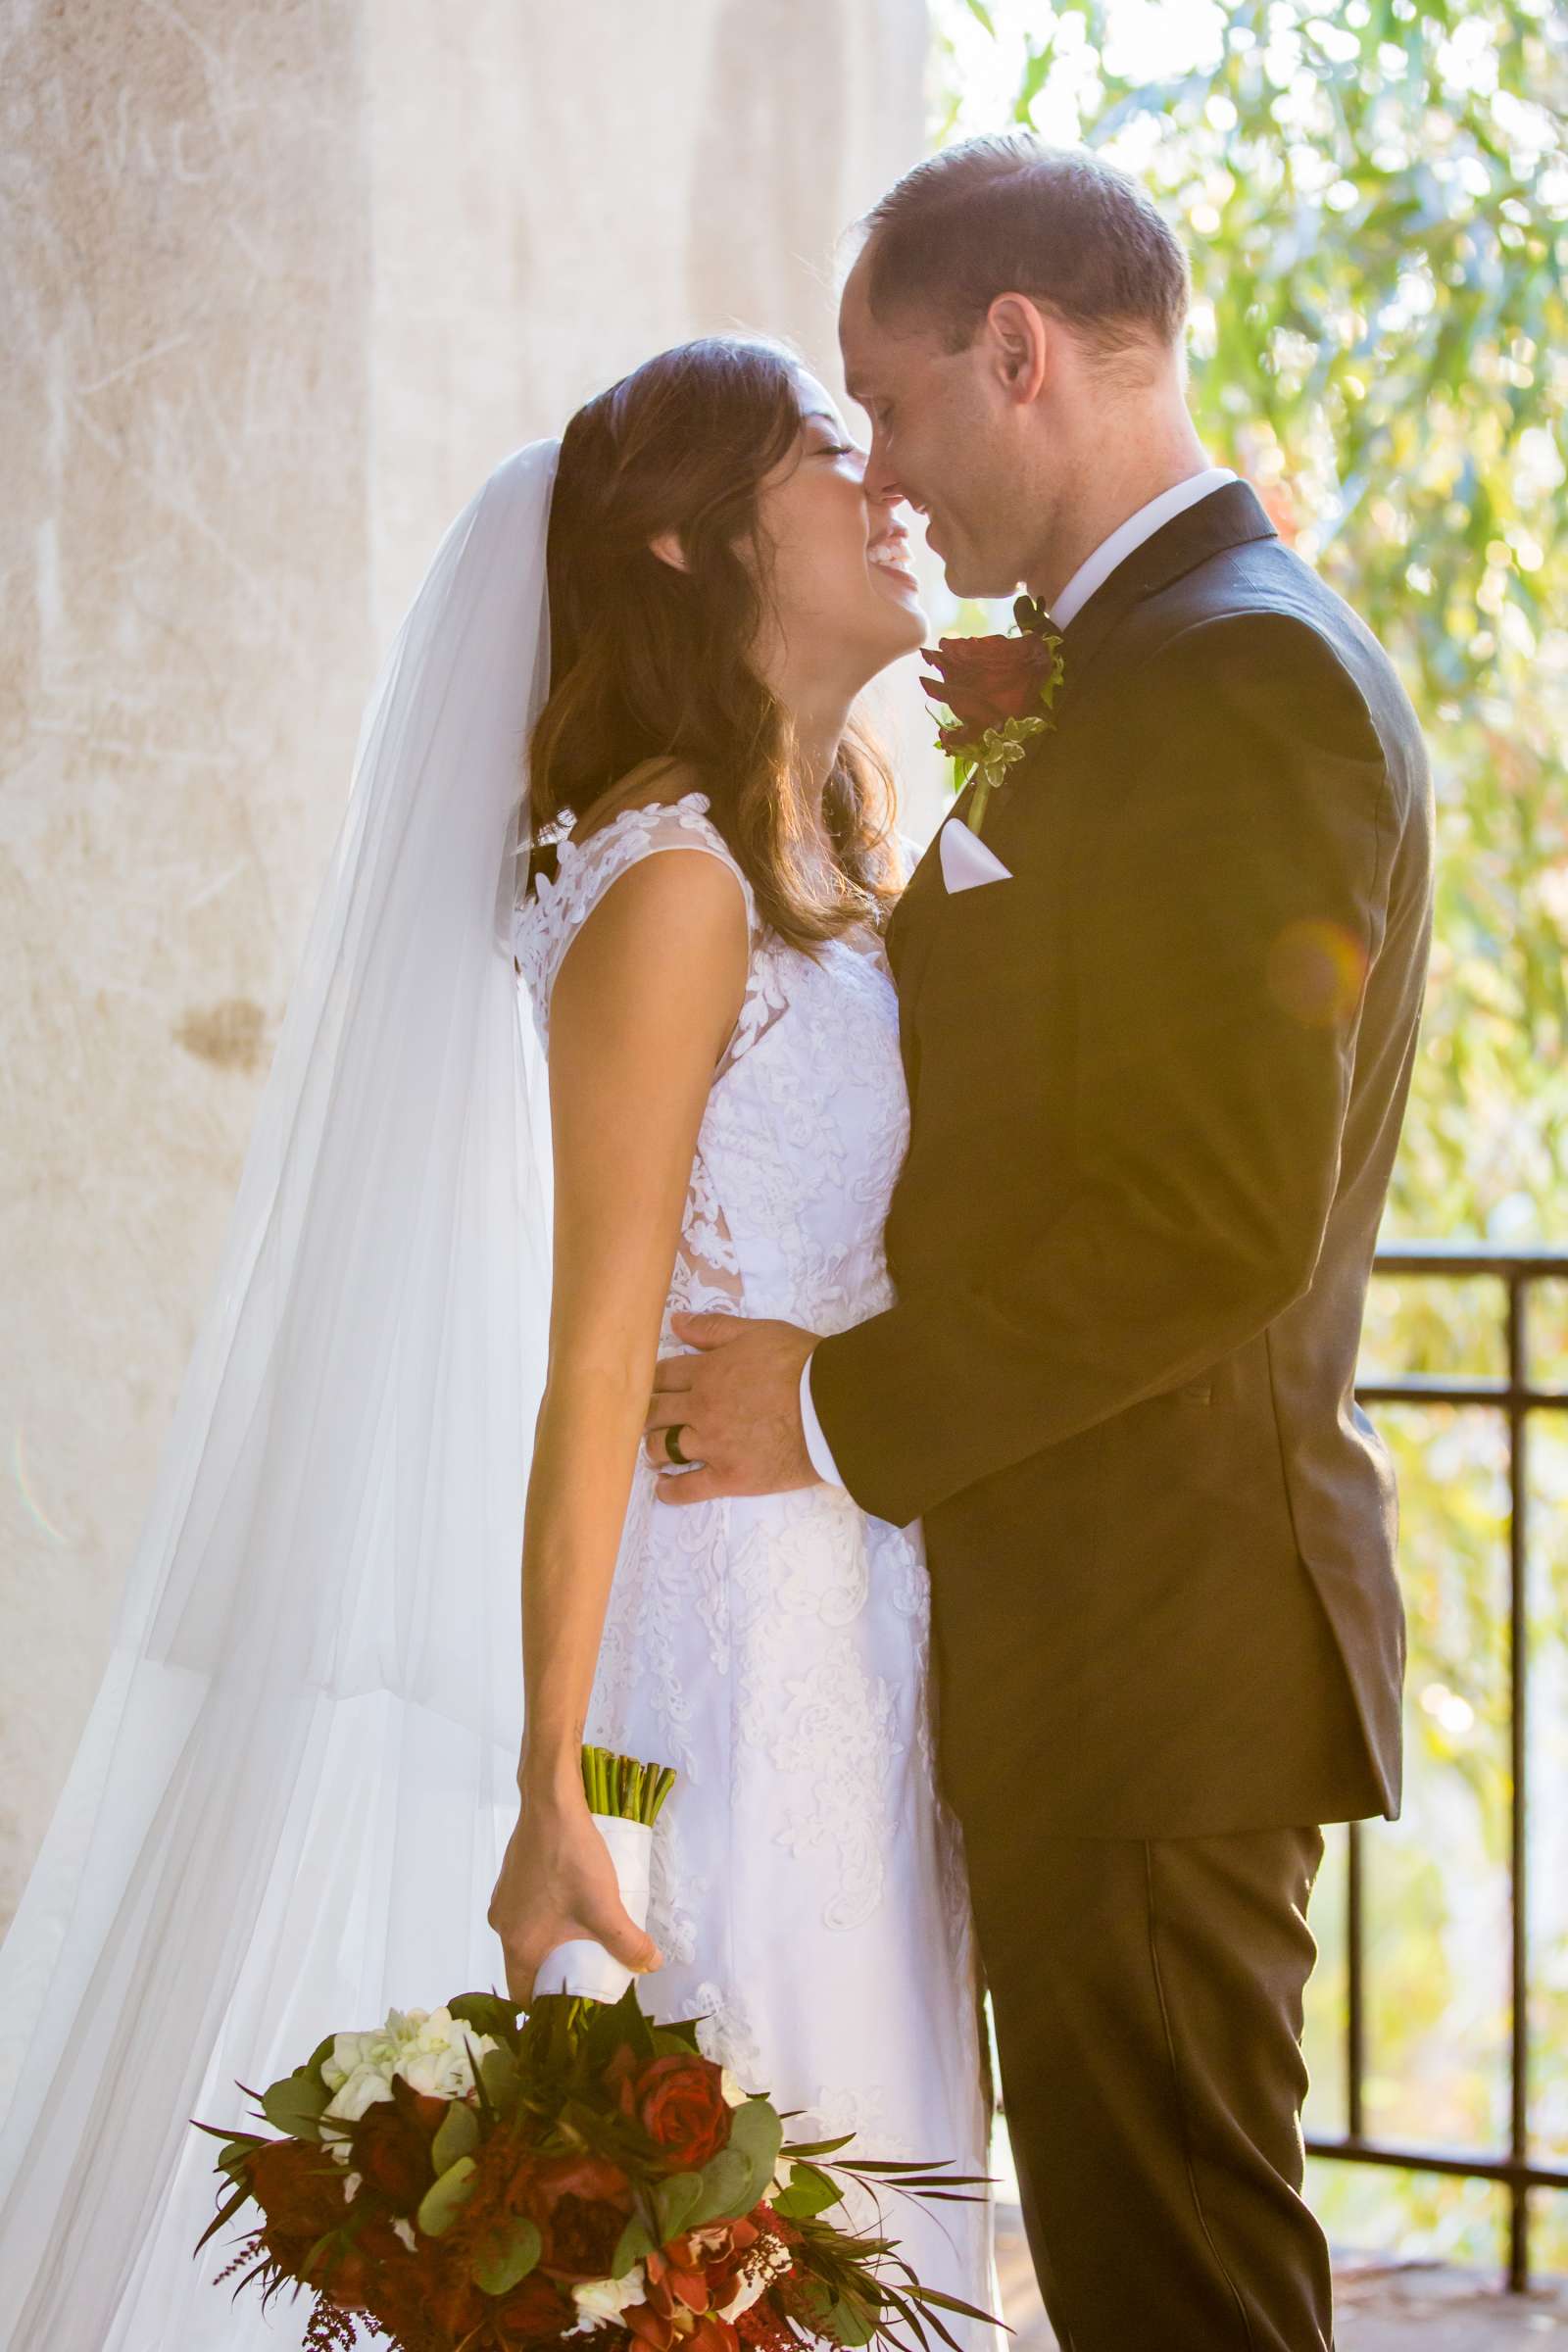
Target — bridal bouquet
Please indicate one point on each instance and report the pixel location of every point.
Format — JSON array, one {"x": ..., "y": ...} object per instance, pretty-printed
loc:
[{"x": 475, "y": 2178}]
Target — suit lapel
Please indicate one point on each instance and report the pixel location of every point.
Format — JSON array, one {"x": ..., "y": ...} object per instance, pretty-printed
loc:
[{"x": 1232, "y": 516}]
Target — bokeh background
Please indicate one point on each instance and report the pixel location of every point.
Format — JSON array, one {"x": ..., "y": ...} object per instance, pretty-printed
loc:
[
  {"x": 284, "y": 277},
  {"x": 1375, "y": 197}
]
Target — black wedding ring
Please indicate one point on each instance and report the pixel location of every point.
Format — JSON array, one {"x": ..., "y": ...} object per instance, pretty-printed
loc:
[{"x": 672, "y": 1447}]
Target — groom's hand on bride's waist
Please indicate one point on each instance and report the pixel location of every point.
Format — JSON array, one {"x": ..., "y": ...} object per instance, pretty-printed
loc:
[{"x": 734, "y": 1406}]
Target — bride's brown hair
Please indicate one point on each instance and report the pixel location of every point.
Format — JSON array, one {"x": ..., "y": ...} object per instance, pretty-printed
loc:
[{"x": 649, "y": 661}]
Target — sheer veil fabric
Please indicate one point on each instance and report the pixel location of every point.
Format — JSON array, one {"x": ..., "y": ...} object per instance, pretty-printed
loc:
[{"x": 291, "y": 1799}]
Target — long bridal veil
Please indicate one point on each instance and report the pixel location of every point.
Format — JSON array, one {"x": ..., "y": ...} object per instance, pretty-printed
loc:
[{"x": 291, "y": 1799}]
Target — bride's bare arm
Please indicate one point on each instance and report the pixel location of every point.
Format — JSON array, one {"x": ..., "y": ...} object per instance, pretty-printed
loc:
[{"x": 642, "y": 1009}]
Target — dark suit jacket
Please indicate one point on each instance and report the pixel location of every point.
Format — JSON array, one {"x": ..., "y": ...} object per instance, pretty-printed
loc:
[{"x": 1158, "y": 1078}]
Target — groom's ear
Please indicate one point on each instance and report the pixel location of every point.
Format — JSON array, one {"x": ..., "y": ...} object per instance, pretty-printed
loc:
[
  {"x": 668, "y": 548},
  {"x": 1019, "y": 339}
]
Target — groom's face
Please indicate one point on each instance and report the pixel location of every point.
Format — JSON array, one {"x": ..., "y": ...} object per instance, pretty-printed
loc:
[{"x": 945, "y": 439}]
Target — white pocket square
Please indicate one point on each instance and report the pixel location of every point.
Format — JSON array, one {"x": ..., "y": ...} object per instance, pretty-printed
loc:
[{"x": 967, "y": 863}]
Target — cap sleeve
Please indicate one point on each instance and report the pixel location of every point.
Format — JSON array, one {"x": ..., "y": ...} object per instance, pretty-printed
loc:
[{"x": 546, "y": 923}]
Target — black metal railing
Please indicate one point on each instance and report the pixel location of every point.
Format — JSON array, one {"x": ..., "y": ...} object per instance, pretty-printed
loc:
[{"x": 1517, "y": 1397}]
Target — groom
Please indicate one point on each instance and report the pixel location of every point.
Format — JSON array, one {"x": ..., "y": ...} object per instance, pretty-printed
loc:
[{"x": 1157, "y": 1021}]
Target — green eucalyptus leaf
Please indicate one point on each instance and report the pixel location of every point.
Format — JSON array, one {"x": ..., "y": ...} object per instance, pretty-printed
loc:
[
  {"x": 501, "y": 2075},
  {"x": 487, "y": 2013},
  {"x": 506, "y": 2257},
  {"x": 677, "y": 2198},
  {"x": 668, "y": 2043},
  {"x": 296, "y": 2103},
  {"x": 440, "y": 2203},
  {"x": 755, "y": 2129},
  {"x": 726, "y": 2184},
  {"x": 457, "y": 2135},
  {"x": 322, "y": 2052},
  {"x": 810, "y": 2192},
  {"x": 848, "y": 2324},
  {"x": 816, "y": 2297},
  {"x": 634, "y": 2241}
]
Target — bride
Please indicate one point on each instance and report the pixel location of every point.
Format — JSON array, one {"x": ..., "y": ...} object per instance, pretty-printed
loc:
[{"x": 288, "y": 1805}]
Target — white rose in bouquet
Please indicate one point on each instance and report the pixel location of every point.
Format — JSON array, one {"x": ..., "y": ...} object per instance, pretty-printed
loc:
[
  {"x": 434, "y": 2057},
  {"x": 601, "y": 2302},
  {"x": 428, "y": 2048}
]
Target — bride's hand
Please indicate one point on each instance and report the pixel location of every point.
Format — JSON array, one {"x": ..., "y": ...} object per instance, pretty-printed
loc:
[{"x": 558, "y": 1882}]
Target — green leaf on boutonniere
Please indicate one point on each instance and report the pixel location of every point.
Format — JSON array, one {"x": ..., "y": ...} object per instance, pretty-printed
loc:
[
  {"x": 998, "y": 750},
  {"x": 1001, "y": 691}
]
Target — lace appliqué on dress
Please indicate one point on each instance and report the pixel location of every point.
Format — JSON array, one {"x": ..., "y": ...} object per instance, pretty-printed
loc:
[{"x": 808, "y": 1886}]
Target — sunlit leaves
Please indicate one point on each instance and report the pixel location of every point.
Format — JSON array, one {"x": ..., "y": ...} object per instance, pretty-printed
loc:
[
  {"x": 1376, "y": 202},
  {"x": 1375, "y": 197}
]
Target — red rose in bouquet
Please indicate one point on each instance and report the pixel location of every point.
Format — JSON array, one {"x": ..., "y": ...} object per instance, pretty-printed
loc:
[
  {"x": 390, "y": 2146},
  {"x": 986, "y": 680},
  {"x": 680, "y": 2103},
  {"x": 581, "y": 2204}
]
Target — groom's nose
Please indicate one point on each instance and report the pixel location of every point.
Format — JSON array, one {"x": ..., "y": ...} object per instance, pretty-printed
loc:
[{"x": 881, "y": 479}]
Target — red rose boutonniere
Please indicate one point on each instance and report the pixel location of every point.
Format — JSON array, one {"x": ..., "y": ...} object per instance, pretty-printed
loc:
[{"x": 1001, "y": 692}]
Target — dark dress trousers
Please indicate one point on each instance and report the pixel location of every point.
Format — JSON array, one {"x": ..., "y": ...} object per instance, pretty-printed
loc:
[{"x": 1158, "y": 1076}]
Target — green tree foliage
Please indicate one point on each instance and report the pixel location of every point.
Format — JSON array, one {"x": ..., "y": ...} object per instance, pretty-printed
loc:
[
  {"x": 1374, "y": 200},
  {"x": 1376, "y": 203}
]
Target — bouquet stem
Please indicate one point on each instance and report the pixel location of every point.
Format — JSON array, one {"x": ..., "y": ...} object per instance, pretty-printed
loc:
[
  {"x": 623, "y": 1788},
  {"x": 624, "y": 1796}
]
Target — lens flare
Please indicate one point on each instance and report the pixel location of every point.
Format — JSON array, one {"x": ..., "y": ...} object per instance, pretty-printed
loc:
[
  {"x": 1316, "y": 971},
  {"x": 35, "y": 1508}
]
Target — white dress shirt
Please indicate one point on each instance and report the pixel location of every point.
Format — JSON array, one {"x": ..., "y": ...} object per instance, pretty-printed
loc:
[{"x": 1090, "y": 574}]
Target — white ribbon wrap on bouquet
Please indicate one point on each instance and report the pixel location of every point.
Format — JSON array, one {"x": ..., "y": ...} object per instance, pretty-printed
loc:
[{"x": 582, "y": 1966}]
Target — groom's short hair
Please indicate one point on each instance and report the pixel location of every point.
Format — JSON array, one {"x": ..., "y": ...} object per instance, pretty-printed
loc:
[{"x": 1009, "y": 215}]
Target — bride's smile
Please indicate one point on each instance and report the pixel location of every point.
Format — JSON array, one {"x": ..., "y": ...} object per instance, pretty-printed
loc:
[{"x": 846, "y": 597}]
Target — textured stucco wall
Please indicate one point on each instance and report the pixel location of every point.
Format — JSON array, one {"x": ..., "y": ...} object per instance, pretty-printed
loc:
[{"x": 281, "y": 282}]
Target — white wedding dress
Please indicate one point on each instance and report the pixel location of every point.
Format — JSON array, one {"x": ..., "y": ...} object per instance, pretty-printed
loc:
[
  {"x": 295, "y": 1787},
  {"x": 809, "y": 1892}
]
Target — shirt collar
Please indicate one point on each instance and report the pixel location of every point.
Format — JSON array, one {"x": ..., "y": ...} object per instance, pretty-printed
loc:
[{"x": 1131, "y": 534}]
